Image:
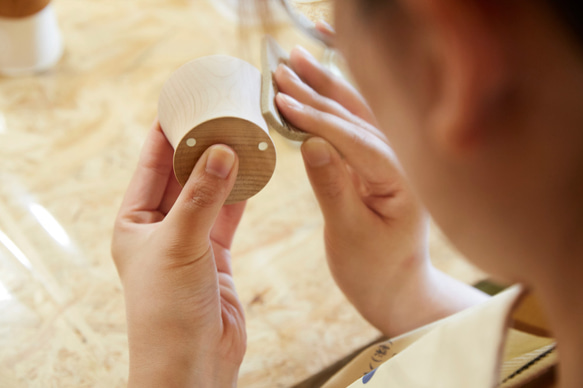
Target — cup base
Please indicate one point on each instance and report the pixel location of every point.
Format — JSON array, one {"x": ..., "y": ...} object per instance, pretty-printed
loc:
[{"x": 253, "y": 146}]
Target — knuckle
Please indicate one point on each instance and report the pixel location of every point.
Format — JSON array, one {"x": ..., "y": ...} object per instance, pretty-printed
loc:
[
  {"x": 316, "y": 115},
  {"x": 359, "y": 137},
  {"x": 318, "y": 99},
  {"x": 204, "y": 195},
  {"x": 331, "y": 188},
  {"x": 327, "y": 81},
  {"x": 308, "y": 119}
]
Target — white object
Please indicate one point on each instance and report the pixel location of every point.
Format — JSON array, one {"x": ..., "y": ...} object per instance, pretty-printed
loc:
[{"x": 31, "y": 44}]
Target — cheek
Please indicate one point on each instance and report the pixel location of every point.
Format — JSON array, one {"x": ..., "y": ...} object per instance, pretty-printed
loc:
[{"x": 376, "y": 76}]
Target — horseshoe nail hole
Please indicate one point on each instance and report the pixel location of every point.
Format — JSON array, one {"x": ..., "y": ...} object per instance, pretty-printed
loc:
[
  {"x": 263, "y": 146},
  {"x": 191, "y": 142}
]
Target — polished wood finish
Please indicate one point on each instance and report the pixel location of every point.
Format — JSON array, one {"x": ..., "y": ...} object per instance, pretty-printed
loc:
[{"x": 21, "y": 8}]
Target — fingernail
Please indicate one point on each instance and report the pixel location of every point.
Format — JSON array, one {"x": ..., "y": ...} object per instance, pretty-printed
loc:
[
  {"x": 326, "y": 26},
  {"x": 316, "y": 152},
  {"x": 306, "y": 54},
  {"x": 220, "y": 161},
  {"x": 289, "y": 101},
  {"x": 289, "y": 72}
]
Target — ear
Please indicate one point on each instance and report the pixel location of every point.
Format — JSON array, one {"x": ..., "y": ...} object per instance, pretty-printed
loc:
[{"x": 473, "y": 66}]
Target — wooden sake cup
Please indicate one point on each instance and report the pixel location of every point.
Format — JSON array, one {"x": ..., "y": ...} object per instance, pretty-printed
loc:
[
  {"x": 216, "y": 100},
  {"x": 21, "y": 8}
]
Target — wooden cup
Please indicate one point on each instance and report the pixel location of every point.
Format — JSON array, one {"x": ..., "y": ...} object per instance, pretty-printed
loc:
[
  {"x": 216, "y": 100},
  {"x": 21, "y": 8}
]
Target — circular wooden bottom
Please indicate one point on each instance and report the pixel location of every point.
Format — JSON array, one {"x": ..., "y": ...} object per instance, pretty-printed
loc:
[{"x": 252, "y": 144}]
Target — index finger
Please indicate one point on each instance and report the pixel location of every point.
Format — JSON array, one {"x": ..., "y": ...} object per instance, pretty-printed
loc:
[
  {"x": 369, "y": 156},
  {"x": 329, "y": 85},
  {"x": 148, "y": 184}
]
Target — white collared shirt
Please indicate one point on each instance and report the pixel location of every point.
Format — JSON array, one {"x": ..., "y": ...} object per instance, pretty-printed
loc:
[{"x": 471, "y": 349}]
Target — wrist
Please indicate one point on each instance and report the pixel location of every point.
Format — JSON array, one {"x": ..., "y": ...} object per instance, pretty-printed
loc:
[{"x": 427, "y": 296}]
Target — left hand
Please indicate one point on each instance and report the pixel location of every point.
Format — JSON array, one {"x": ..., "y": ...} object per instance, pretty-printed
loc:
[
  {"x": 375, "y": 228},
  {"x": 186, "y": 325}
]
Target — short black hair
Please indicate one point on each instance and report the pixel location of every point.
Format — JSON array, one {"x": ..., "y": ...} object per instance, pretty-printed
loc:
[{"x": 568, "y": 11}]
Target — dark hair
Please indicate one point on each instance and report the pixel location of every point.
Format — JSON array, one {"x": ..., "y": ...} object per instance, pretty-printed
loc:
[{"x": 568, "y": 11}]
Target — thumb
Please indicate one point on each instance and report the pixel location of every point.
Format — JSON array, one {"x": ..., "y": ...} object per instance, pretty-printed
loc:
[
  {"x": 338, "y": 199},
  {"x": 202, "y": 197}
]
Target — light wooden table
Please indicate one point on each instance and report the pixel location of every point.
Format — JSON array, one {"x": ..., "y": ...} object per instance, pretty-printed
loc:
[{"x": 69, "y": 141}]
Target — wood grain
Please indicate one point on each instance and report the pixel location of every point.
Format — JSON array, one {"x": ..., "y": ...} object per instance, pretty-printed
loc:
[
  {"x": 272, "y": 55},
  {"x": 255, "y": 166},
  {"x": 21, "y": 8},
  {"x": 216, "y": 100}
]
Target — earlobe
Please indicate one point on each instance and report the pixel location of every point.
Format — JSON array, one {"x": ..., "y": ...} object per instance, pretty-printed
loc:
[{"x": 473, "y": 72}]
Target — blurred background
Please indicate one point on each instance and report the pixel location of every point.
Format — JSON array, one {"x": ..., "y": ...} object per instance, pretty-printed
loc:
[{"x": 69, "y": 141}]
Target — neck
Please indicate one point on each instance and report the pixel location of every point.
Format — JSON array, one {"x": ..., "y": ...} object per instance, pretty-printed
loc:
[
  {"x": 561, "y": 293},
  {"x": 559, "y": 279}
]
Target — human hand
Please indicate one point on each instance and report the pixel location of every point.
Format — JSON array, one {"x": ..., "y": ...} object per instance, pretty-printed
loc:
[
  {"x": 375, "y": 228},
  {"x": 186, "y": 325}
]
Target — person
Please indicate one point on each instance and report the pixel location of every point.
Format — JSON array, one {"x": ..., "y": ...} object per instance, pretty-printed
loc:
[{"x": 469, "y": 109}]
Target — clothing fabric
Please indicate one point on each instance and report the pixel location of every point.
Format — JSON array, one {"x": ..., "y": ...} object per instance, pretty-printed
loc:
[{"x": 475, "y": 348}]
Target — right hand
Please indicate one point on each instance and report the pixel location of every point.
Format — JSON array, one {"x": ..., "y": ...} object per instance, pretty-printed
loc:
[
  {"x": 171, "y": 246},
  {"x": 375, "y": 227}
]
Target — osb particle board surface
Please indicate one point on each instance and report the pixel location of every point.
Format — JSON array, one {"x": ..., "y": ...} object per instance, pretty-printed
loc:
[
  {"x": 315, "y": 10},
  {"x": 69, "y": 141}
]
